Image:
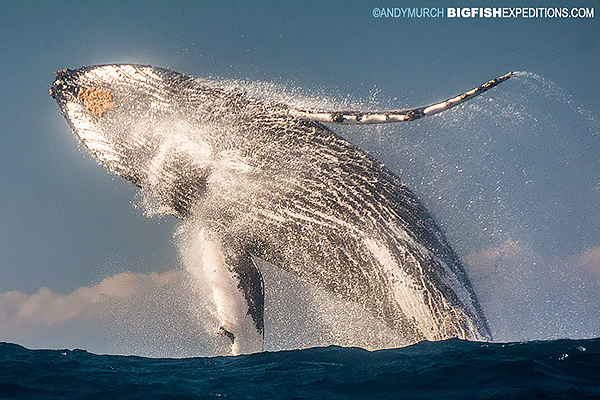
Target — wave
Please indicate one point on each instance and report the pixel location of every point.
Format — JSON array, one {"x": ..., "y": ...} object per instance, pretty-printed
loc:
[{"x": 450, "y": 369}]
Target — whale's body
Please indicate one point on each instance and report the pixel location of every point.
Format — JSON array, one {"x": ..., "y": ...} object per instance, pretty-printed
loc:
[{"x": 264, "y": 180}]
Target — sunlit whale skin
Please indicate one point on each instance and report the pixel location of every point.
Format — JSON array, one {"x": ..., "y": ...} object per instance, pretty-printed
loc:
[{"x": 264, "y": 180}]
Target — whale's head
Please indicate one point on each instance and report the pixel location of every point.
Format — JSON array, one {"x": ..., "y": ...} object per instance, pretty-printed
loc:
[
  {"x": 111, "y": 110},
  {"x": 136, "y": 121}
]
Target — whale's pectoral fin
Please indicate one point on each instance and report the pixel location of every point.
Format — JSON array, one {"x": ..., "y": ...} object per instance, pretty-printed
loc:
[
  {"x": 251, "y": 285},
  {"x": 238, "y": 293},
  {"x": 381, "y": 117}
]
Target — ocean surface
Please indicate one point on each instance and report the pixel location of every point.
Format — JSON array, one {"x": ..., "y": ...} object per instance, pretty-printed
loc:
[{"x": 452, "y": 369}]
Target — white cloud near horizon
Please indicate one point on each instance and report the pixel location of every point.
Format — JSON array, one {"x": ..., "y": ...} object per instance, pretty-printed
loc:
[
  {"x": 590, "y": 260},
  {"x": 156, "y": 314},
  {"x": 480, "y": 261},
  {"x": 526, "y": 296}
]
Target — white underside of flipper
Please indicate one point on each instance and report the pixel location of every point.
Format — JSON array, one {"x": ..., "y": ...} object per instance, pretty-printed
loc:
[{"x": 231, "y": 306}]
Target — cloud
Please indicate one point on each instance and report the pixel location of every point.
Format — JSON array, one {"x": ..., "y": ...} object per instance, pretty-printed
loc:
[
  {"x": 589, "y": 259},
  {"x": 493, "y": 259},
  {"x": 506, "y": 249},
  {"x": 46, "y": 308},
  {"x": 526, "y": 295},
  {"x": 158, "y": 314},
  {"x": 511, "y": 254}
]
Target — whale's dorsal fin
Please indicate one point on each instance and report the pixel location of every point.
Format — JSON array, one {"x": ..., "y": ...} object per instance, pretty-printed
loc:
[{"x": 382, "y": 117}]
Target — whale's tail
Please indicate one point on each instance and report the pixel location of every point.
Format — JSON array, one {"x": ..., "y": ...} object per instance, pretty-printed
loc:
[{"x": 382, "y": 117}]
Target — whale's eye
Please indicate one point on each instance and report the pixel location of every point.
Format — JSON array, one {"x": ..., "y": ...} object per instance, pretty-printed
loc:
[{"x": 96, "y": 100}]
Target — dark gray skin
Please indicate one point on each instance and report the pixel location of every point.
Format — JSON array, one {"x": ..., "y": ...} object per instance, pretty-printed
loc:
[{"x": 269, "y": 181}]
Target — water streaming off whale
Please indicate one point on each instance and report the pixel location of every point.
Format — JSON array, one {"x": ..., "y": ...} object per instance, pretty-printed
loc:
[{"x": 260, "y": 181}]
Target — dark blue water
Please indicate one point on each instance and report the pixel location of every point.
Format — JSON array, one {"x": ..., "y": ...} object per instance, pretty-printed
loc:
[{"x": 453, "y": 369}]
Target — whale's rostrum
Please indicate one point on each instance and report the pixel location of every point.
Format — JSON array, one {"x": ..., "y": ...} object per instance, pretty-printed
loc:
[{"x": 264, "y": 180}]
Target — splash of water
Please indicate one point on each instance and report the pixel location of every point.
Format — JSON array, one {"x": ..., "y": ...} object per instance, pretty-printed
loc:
[
  {"x": 233, "y": 175},
  {"x": 324, "y": 319}
]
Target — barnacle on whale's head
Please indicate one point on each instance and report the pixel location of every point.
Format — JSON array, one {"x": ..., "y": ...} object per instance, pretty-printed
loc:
[{"x": 97, "y": 100}]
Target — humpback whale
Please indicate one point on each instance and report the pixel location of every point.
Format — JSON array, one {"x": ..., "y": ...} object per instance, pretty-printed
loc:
[{"x": 263, "y": 180}]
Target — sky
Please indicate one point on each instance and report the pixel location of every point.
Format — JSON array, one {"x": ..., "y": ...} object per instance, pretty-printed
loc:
[{"x": 513, "y": 176}]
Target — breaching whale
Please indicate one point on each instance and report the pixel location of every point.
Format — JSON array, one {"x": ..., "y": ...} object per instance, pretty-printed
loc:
[{"x": 265, "y": 180}]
